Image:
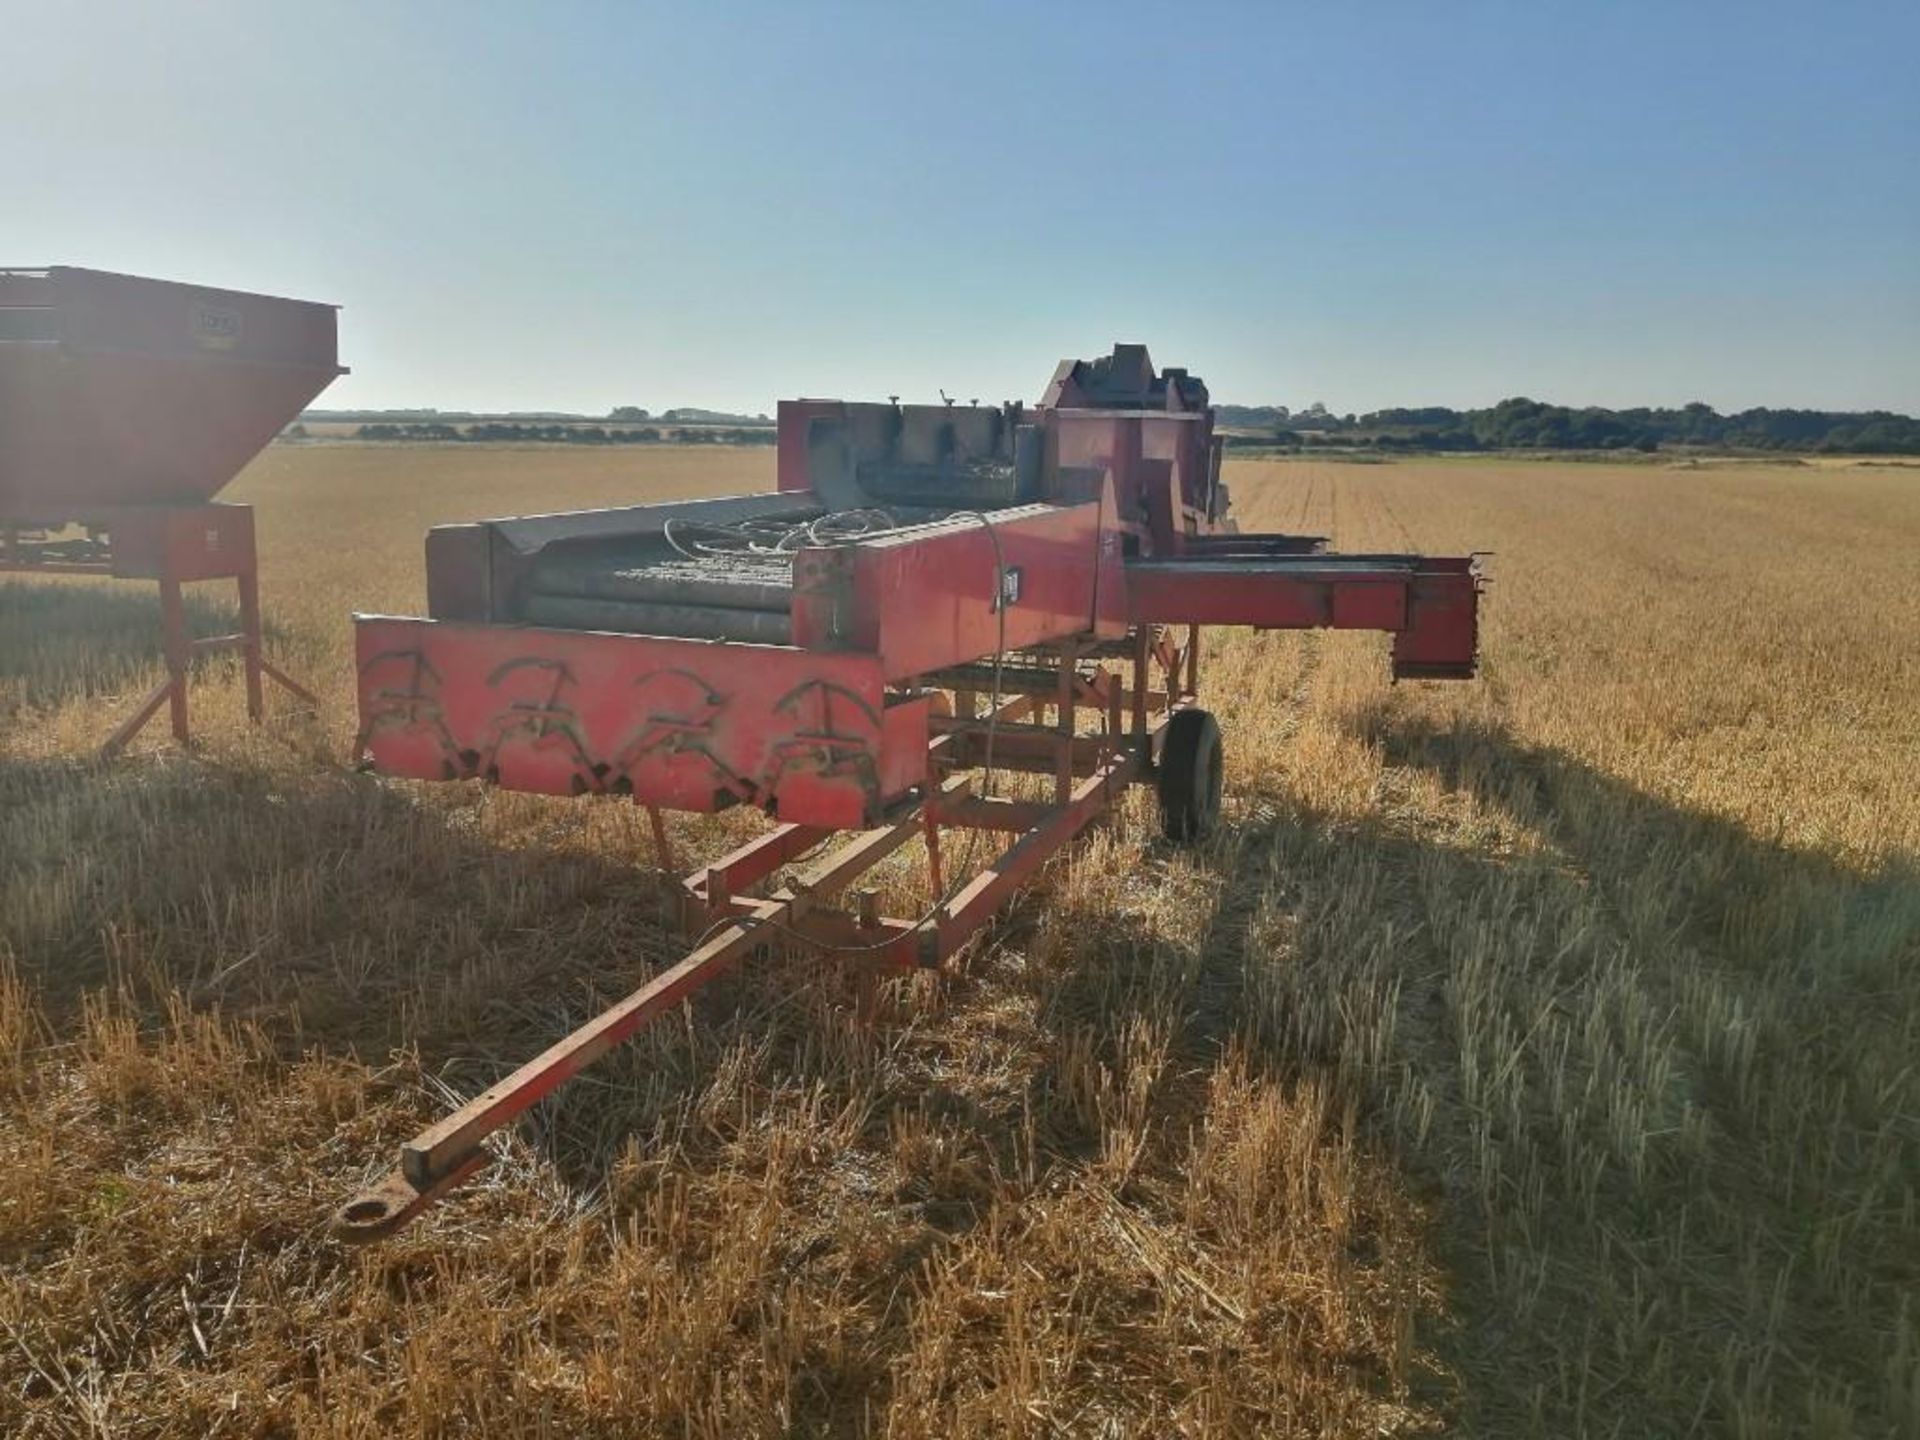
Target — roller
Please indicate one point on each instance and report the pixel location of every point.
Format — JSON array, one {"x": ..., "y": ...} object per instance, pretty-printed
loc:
[
  {"x": 645, "y": 617},
  {"x": 733, "y": 582}
]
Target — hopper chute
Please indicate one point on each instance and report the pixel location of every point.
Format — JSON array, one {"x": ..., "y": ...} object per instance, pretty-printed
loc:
[{"x": 117, "y": 390}]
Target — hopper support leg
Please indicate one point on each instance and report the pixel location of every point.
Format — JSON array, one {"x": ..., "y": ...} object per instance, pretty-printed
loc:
[{"x": 179, "y": 647}]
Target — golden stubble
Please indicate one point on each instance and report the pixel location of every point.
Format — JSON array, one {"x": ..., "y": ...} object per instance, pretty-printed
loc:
[{"x": 1533, "y": 1056}]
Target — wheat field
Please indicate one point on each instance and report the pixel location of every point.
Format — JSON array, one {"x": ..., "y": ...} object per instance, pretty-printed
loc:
[{"x": 1538, "y": 1056}]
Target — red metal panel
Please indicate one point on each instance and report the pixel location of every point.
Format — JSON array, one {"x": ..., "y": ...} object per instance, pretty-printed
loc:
[
  {"x": 683, "y": 724},
  {"x": 907, "y": 727},
  {"x": 104, "y": 312},
  {"x": 149, "y": 392},
  {"x": 25, "y": 289},
  {"x": 1159, "y": 464},
  {"x": 1367, "y": 604},
  {"x": 181, "y": 542},
  {"x": 1110, "y": 620},
  {"x": 795, "y": 421},
  {"x": 1442, "y": 640},
  {"x": 926, "y": 600},
  {"x": 1210, "y": 593}
]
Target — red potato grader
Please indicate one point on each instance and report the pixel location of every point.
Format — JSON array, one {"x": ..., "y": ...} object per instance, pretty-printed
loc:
[
  {"x": 935, "y": 600},
  {"x": 125, "y": 405}
]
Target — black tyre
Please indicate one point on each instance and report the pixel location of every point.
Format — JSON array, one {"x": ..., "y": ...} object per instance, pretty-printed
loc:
[{"x": 1191, "y": 762}]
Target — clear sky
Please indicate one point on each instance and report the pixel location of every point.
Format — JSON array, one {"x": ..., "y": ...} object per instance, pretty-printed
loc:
[{"x": 574, "y": 206}]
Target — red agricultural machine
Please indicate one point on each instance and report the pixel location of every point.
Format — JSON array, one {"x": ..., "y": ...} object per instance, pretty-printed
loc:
[
  {"x": 936, "y": 599},
  {"x": 125, "y": 405}
]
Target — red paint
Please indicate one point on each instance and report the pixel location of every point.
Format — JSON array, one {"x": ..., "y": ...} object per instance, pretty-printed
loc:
[
  {"x": 850, "y": 726},
  {"x": 682, "y": 724},
  {"x": 928, "y": 601},
  {"x": 118, "y": 391}
]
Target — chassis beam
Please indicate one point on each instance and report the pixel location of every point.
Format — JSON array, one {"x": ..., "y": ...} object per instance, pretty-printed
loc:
[{"x": 452, "y": 1150}]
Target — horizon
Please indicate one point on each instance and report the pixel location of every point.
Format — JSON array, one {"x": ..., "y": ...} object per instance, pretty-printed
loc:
[
  {"x": 576, "y": 211},
  {"x": 766, "y": 413}
]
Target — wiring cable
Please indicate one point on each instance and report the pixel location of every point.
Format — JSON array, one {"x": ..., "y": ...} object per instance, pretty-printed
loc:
[
  {"x": 703, "y": 539},
  {"x": 1000, "y": 605}
]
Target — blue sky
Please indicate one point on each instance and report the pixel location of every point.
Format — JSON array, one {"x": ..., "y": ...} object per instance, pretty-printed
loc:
[{"x": 575, "y": 206}]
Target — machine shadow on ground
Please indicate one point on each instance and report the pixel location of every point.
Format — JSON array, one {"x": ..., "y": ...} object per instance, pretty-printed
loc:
[
  {"x": 1633, "y": 980},
  {"x": 77, "y": 640},
  {"x": 353, "y": 912},
  {"x": 1794, "y": 946},
  {"x": 350, "y": 913}
]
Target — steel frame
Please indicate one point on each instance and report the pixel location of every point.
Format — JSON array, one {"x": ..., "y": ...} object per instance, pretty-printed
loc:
[
  {"x": 175, "y": 546},
  {"x": 1104, "y": 549},
  {"x": 1090, "y": 770}
]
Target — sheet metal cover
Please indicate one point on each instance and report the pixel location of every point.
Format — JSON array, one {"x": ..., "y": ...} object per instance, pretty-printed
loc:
[{"x": 117, "y": 390}]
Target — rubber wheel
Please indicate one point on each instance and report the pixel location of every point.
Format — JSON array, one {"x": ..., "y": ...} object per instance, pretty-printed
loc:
[{"x": 1190, "y": 772}]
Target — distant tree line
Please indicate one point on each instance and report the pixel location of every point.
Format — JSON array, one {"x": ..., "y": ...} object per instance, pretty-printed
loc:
[
  {"x": 1523, "y": 424},
  {"x": 495, "y": 432},
  {"x": 692, "y": 413},
  {"x": 1516, "y": 424}
]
